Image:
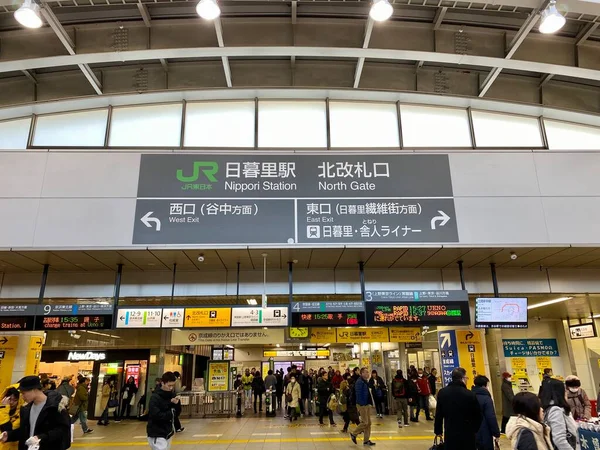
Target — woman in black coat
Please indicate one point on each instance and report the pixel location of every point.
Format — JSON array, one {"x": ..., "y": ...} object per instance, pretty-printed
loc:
[
  {"x": 489, "y": 426},
  {"x": 412, "y": 394}
]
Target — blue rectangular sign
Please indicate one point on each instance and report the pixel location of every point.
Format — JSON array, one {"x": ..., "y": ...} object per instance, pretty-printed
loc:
[
  {"x": 529, "y": 347},
  {"x": 448, "y": 354}
]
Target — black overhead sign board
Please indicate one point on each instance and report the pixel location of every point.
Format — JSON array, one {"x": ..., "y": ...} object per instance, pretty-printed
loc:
[
  {"x": 56, "y": 317},
  {"x": 418, "y": 313},
  {"x": 294, "y": 199}
]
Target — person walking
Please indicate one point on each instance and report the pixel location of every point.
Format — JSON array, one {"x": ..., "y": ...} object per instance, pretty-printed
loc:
[
  {"x": 347, "y": 403},
  {"x": 128, "y": 393},
  {"x": 379, "y": 391},
  {"x": 271, "y": 385},
  {"x": 161, "y": 414},
  {"x": 306, "y": 389},
  {"x": 488, "y": 431},
  {"x": 279, "y": 389},
  {"x": 363, "y": 404},
  {"x": 66, "y": 390},
  {"x": 578, "y": 400},
  {"x": 325, "y": 390},
  {"x": 45, "y": 421},
  {"x": 10, "y": 414},
  {"x": 557, "y": 415},
  {"x": 109, "y": 401},
  {"x": 412, "y": 394},
  {"x": 80, "y": 404},
  {"x": 400, "y": 394},
  {"x": 292, "y": 398},
  {"x": 247, "y": 379},
  {"x": 526, "y": 429},
  {"x": 507, "y": 399},
  {"x": 177, "y": 389},
  {"x": 432, "y": 378},
  {"x": 424, "y": 392},
  {"x": 458, "y": 415},
  {"x": 258, "y": 388},
  {"x": 337, "y": 379}
]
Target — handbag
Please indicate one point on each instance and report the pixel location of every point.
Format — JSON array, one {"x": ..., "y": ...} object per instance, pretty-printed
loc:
[
  {"x": 432, "y": 403},
  {"x": 113, "y": 403},
  {"x": 438, "y": 443},
  {"x": 74, "y": 409}
]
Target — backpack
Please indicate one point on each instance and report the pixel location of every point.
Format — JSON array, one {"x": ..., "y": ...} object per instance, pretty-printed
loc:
[
  {"x": 570, "y": 437},
  {"x": 398, "y": 388},
  {"x": 332, "y": 403}
]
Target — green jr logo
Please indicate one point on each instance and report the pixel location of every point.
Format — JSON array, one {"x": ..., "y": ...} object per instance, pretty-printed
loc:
[{"x": 208, "y": 168}]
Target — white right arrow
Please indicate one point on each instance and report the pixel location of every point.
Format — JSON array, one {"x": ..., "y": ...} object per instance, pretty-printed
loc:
[
  {"x": 148, "y": 220},
  {"x": 443, "y": 218},
  {"x": 445, "y": 340}
]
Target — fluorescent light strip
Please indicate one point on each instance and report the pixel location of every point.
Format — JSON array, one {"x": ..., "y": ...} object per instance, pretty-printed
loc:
[{"x": 549, "y": 302}]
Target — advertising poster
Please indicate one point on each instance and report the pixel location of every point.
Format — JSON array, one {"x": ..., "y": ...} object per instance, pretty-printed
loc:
[
  {"x": 218, "y": 376},
  {"x": 8, "y": 353},
  {"x": 408, "y": 334}
]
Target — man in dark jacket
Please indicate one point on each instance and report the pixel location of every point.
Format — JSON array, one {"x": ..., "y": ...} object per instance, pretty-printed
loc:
[
  {"x": 545, "y": 380},
  {"x": 489, "y": 426},
  {"x": 400, "y": 394},
  {"x": 507, "y": 398},
  {"x": 432, "y": 382},
  {"x": 324, "y": 390},
  {"x": 458, "y": 416},
  {"x": 44, "y": 421},
  {"x": 161, "y": 414},
  {"x": 364, "y": 402},
  {"x": 80, "y": 404}
]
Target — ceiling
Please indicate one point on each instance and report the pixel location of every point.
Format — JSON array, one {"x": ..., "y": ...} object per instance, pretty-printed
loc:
[{"x": 277, "y": 259}]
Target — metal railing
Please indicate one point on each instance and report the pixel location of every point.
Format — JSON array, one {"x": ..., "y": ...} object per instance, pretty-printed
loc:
[{"x": 208, "y": 404}]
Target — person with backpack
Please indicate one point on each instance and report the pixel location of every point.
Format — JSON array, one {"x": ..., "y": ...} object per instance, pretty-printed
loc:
[
  {"x": 578, "y": 400},
  {"x": 400, "y": 394},
  {"x": 379, "y": 391},
  {"x": 325, "y": 390},
  {"x": 557, "y": 415},
  {"x": 45, "y": 422},
  {"x": 362, "y": 394},
  {"x": 66, "y": 390},
  {"x": 526, "y": 429}
]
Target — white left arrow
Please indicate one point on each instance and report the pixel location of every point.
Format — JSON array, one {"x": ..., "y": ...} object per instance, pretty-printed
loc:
[
  {"x": 443, "y": 218},
  {"x": 148, "y": 220}
]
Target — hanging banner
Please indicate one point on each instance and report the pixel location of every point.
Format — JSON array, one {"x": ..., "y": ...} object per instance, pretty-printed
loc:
[
  {"x": 359, "y": 335},
  {"x": 470, "y": 352},
  {"x": 409, "y": 334},
  {"x": 34, "y": 355},
  {"x": 218, "y": 376},
  {"x": 220, "y": 337},
  {"x": 8, "y": 353},
  {"x": 323, "y": 335}
]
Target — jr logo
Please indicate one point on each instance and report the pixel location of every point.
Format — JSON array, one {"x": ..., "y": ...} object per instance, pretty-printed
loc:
[{"x": 209, "y": 169}]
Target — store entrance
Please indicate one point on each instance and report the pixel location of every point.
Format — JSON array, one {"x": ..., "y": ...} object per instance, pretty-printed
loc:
[
  {"x": 421, "y": 358},
  {"x": 120, "y": 372}
]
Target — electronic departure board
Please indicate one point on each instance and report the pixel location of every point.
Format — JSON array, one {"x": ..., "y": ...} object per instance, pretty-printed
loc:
[
  {"x": 418, "y": 313},
  {"x": 89, "y": 322},
  {"x": 328, "y": 319},
  {"x": 22, "y": 323}
]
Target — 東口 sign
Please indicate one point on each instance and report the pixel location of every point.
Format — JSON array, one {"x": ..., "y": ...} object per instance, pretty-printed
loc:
[
  {"x": 530, "y": 347},
  {"x": 291, "y": 199}
]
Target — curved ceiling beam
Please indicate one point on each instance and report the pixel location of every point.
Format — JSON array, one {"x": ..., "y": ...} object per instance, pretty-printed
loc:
[{"x": 302, "y": 52}]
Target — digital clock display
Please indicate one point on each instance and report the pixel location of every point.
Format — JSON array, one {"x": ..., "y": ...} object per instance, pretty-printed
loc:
[
  {"x": 91, "y": 322},
  {"x": 328, "y": 319},
  {"x": 418, "y": 313}
]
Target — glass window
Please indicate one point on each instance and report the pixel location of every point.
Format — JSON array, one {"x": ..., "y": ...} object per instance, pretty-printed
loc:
[
  {"x": 76, "y": 129},
  {"x": 146, "y": 126},
  {"x": 503, "y": 130},
  {"x": 570, "y": 136},
  {"x": 431, "y": 126},
  {"x": 14, "y": 134},
  {"x": 367, "y": 125},
  {"x": 219, "y": 124},
  {"x": 292, "y": 124}
]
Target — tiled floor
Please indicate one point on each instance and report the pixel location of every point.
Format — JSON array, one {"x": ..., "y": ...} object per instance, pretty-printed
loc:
[{"x": 260, "y": 433}]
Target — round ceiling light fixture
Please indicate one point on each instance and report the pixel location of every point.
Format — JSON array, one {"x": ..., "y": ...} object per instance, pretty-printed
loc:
[
  {"x": 381, "y": 10},
  {"x": 28, "y": 15},
  {"x": 552, "y": 19},
  {"x": 208, "y": 9}
]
